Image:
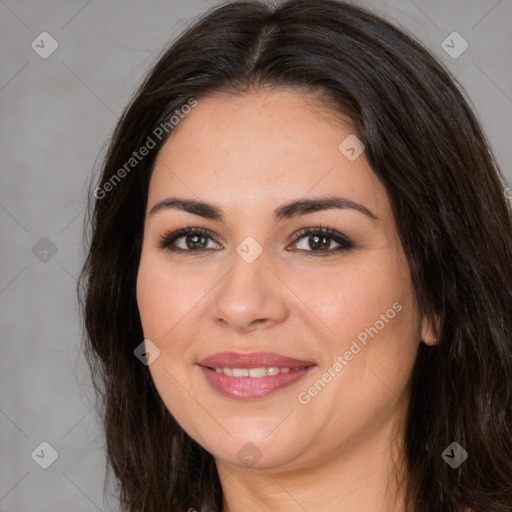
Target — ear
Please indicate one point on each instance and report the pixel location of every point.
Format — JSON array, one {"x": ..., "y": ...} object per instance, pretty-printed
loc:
[{"x": 430, "y": 331}]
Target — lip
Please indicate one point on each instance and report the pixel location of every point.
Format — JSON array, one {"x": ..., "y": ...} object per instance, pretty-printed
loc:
[
  {"x": 251, "y": 360},
  {"x": 248, "y": 387}
]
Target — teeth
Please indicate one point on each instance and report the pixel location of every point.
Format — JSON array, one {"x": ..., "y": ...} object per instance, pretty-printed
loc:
[{"x": 255, "y": 372}]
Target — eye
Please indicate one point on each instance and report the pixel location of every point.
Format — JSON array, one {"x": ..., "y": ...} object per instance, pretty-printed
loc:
[
  {"x": 194, "y": 240},
  {"x": 320, "y": 239}
]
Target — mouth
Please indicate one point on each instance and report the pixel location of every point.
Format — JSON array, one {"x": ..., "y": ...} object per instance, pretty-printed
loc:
[
  {"x": 252, "y": 375},
  {"x": 255, "y": 373}
]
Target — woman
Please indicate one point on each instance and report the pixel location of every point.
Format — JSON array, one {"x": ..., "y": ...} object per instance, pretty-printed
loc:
[{"x": 297, "y": 294}]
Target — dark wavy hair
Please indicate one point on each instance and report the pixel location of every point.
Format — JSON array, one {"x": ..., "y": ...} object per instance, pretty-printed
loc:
[{"x": 424, "y": 143}]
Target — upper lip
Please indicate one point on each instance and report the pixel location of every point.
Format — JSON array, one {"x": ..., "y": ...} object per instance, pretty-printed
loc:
[{"x": 252, "y": 360}]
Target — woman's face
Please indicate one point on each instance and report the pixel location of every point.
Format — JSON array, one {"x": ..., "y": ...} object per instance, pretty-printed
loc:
[{"x": 341, "y": 304}]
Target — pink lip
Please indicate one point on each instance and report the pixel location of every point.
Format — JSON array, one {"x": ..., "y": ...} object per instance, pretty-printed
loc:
[
  {"x": 251, "y": 360},
  {"x": 249, "y": 387},
  {"x": 252, "y": 387}
]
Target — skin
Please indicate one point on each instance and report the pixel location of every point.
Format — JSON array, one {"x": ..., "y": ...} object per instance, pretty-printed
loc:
[{"x": 248, "y": 155}]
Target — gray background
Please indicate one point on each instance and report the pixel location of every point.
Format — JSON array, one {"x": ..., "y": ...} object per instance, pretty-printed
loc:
[{"x": 56, "y": 114}]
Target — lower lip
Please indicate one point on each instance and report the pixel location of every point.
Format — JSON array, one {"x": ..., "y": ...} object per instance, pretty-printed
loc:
[{"x": 252, "y": 387}]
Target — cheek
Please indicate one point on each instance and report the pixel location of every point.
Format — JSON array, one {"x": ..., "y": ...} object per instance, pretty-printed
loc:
[
  {"x": 152, "y": 296},
  {"x": 166, "y": 300},
  {"x": 164, "y": 295},
  {"x": 374, "y": 326},
  {"x": 352, "y": 297}
]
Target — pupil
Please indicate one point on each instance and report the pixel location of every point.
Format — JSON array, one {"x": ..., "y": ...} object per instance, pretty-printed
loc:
[
  {"x": 195, "y": 238},
  {"x": 316, "y": 239}
]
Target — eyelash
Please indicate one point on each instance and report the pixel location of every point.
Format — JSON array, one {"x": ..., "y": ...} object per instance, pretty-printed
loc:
[{"x": 345, "y": 244}]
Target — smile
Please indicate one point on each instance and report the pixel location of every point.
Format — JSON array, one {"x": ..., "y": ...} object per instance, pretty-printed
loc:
[
  {"x": 252, "y": 383},
  {"x": 255, "y": 372}
]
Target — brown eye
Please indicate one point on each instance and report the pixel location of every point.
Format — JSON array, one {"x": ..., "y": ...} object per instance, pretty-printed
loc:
[
  {"x": 318, "y": 241},
  {"x": 188, "y": 240}
]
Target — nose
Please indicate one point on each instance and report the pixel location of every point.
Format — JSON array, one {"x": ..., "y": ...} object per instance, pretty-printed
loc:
[{"x": 250, "y": 296}]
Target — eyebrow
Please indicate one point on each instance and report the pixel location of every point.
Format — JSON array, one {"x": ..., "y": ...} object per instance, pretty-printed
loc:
[{"x": 286, "y": 211}]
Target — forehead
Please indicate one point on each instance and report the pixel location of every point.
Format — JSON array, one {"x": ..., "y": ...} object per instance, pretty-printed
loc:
[{"x": 260, "y": 148}]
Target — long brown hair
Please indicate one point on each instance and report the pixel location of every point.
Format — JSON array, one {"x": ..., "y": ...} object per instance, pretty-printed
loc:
[{"x": 424, "y": 143}]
